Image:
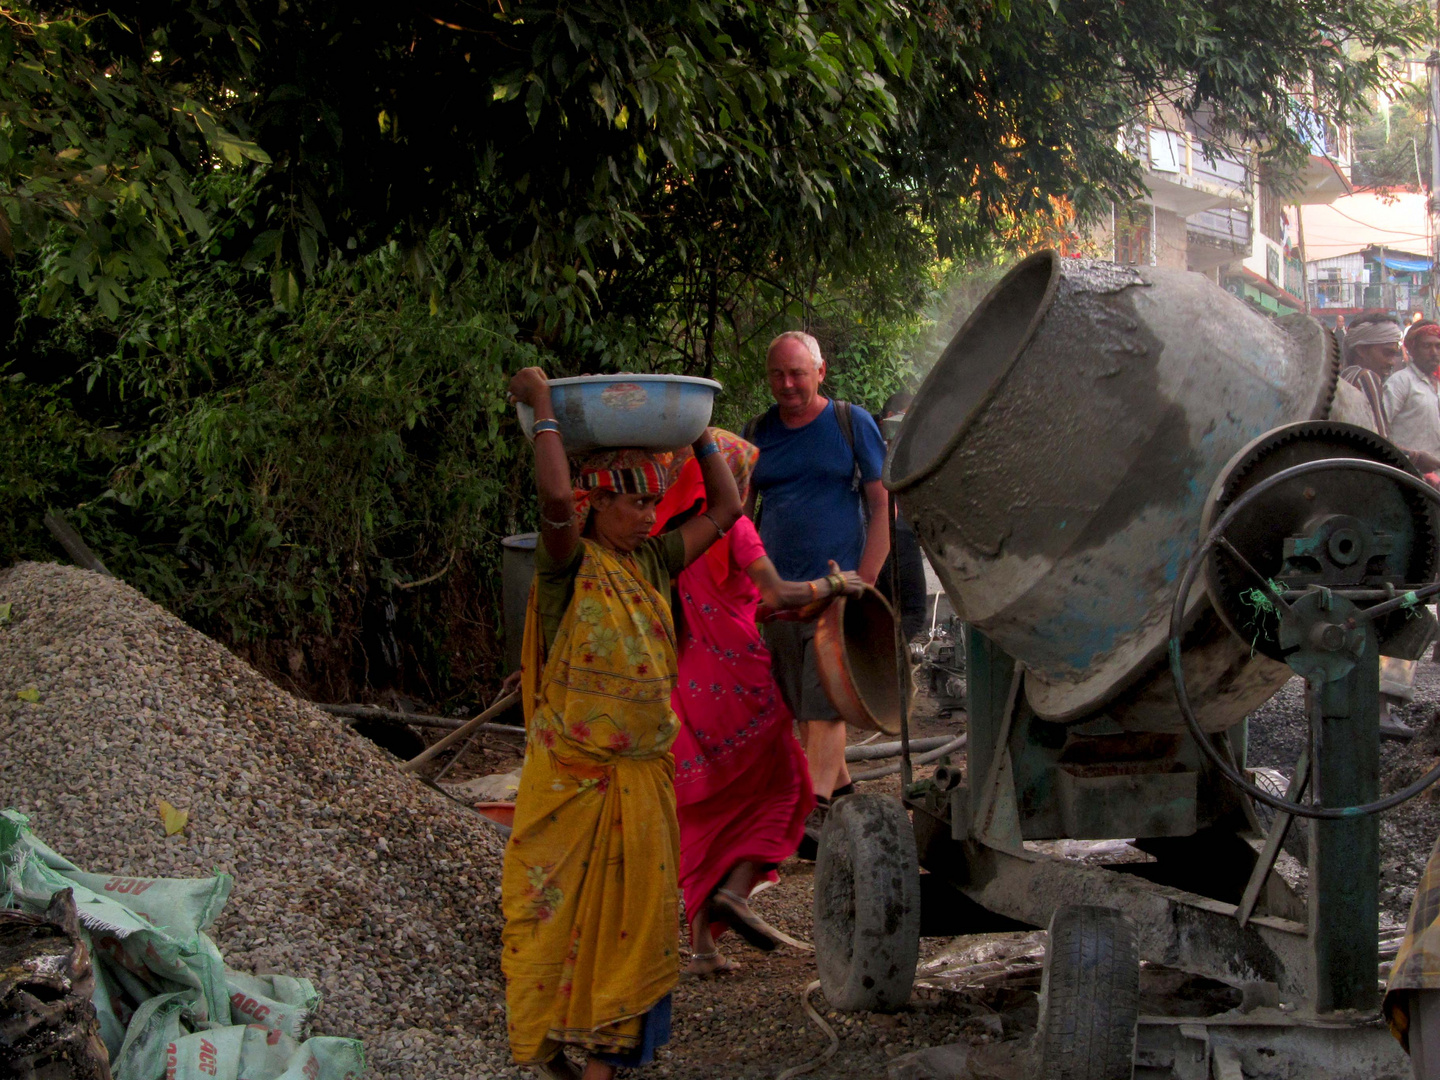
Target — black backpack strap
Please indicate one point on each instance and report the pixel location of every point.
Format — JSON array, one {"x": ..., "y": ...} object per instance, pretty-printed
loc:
[
  {"x": 748, "y": 433},
  {"x": 845, "y": 417}
]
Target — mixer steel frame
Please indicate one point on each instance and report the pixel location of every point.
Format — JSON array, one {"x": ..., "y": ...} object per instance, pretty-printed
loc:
[
  {"x": 1306, "y": 968},
  {"x": 972, "y": 839}
]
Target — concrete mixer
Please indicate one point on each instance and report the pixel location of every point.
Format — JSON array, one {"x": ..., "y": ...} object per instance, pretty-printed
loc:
[{"x": 1132, "y": 490}]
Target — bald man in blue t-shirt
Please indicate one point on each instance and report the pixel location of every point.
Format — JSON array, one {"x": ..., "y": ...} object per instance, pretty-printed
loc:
[{"x": 813, "y": 512}]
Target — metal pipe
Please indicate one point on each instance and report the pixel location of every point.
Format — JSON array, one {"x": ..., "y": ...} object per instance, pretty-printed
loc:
[
  {"x": 477, "y": 724},
  {"x": 79, "y": 552},
  {"x": 902, "y": 652}
]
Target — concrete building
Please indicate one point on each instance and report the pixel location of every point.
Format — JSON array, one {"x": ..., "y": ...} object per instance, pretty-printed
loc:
[
  {"x": 1219, "y": 216},
  {"x": 1369, "y": 252}
]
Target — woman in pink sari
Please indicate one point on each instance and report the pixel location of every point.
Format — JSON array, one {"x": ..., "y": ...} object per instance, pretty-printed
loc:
[{"x": 742, "y": 785}]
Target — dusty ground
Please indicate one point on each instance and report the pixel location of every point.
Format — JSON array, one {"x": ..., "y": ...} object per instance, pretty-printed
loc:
[{"x": 754, "y": 1023}]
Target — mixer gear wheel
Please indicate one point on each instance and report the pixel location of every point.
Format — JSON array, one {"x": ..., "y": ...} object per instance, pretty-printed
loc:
[
  {"x": 1328, "y": 561},
  {"x": 1260, "y": 533}
]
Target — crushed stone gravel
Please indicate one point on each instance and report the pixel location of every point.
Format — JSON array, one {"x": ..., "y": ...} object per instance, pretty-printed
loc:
[
  {"x": 1279, "y": 729},
  {"x": 381, "y": 890}
]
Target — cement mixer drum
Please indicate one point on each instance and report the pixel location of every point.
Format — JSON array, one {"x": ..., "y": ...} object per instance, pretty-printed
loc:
[{"x": 1056, "y": 465}]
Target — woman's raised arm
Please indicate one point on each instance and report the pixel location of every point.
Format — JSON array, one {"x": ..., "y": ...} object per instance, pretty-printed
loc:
[
  {"x": 558, "y": 529},
  {"x": 722, "y": 500}
]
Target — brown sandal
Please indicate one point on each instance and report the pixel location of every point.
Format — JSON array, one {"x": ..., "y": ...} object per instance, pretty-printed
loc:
[
  {"x": 558, "y": 1067},
  {"x": 735, "y": 911}
]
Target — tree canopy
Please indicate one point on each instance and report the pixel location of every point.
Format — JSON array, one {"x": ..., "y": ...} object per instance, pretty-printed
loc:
[{"x": 606, "y": 149}]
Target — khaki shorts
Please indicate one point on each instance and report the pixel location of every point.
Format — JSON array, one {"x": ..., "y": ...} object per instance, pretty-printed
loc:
[{"x": 792, "y": 661}]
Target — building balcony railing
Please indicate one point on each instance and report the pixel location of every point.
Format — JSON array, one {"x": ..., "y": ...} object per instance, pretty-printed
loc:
[
  {"x": 1179, "y": 176},
  {"x": 1358, "y": 296}
]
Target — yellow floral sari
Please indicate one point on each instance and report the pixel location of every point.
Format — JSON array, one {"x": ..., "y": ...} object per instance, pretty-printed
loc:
[{"x": 589, "y": 888}]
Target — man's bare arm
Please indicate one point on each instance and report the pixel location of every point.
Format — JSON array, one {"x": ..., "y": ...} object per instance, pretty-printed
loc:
[{"x": 877, "y": 536}]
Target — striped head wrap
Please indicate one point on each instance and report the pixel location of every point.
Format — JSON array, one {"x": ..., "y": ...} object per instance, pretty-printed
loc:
[
  {"x": 630, "y": 472},
  {"x": 626, "y": 471}
]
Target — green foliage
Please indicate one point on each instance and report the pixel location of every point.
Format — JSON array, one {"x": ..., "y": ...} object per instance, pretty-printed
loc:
[
  {"x": 610, "y": 151},
  {"x": 278, "y": 478},
  {"x": 105, "y": 145},
  {"x": 1392, "y": 148},
  {"x": 306, "y": 241}
]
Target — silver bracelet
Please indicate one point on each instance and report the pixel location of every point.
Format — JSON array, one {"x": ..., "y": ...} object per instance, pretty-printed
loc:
[
  {"x": 706, "y": 514},
  {"x": 557, "y": 524}
]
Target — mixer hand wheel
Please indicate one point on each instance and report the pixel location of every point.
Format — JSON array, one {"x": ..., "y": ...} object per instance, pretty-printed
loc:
[{"x": 1331, "y": 617}]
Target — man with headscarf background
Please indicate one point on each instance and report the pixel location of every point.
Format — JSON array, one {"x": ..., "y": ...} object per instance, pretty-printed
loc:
[
  {"x": 1412, "y": 397},
  {"x": 1404, "y": 411},
  {"x": 1373, "y": 352}
]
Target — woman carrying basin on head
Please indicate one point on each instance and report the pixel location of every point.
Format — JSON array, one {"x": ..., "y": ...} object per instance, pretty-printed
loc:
[
  {"x": 589, "y": 888},
  {"x": 741, "y": 780}
]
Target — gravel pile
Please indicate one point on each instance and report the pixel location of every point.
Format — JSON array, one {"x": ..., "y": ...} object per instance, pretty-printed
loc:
[
  {"x": 1277, "y": 733},
  {"x": 382, "y": 891}
]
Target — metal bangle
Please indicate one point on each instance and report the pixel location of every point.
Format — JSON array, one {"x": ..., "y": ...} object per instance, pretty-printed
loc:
[
  {"x": 706, "y": 514},
  {"x": 544, "y": 425},
  {"x": 705, "y": 451},
  {"x": 557, "y": 524}
]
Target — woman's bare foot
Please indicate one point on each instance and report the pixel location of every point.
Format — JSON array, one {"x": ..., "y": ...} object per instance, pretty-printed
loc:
[
  {"x": 713, "y": 963},
  {"x": 595, "y": 1069}
]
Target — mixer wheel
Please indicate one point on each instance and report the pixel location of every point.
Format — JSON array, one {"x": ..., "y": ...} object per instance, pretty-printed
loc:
[
  {"x": 1297, "y": 838},
  {"x": 867, "y": 904},
  {"x": 1089, "y": 996}
]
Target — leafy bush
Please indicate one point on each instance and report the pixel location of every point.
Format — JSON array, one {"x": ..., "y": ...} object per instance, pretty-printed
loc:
[
  {"x": 326, "y": 489},
  {"x": 278, "y": 480}
]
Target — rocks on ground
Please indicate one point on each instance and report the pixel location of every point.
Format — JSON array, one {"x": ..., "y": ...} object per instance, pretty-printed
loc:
[{"x": 382, "y": 891}]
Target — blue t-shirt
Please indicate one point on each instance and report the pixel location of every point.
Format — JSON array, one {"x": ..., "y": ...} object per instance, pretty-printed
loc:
[{"x": 810, "y": 511}]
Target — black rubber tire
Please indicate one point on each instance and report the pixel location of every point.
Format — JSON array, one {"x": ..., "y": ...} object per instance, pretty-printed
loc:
[
  {"x": 1297, "y": 837},
  {"x": 867, "y": 904},
  {"x": 1089, "y": 996}
]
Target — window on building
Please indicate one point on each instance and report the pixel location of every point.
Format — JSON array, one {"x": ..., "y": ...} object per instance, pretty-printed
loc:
[
  {"x": 1132, "y": 235},
  {"x": 1271, "y": 222}
]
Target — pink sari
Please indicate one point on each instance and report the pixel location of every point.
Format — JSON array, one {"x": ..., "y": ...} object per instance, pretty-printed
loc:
[{"x": 741, "y": 781}]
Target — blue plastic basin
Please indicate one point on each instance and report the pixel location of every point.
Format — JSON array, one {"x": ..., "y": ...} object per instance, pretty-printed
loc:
[{"x": 655, "y": 412}]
